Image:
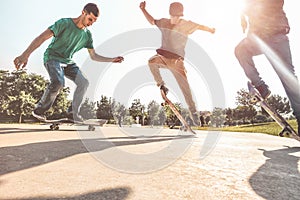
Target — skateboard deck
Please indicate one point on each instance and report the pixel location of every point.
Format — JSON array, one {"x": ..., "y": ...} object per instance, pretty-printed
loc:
[
  {"x": 169, "y": 103},
  {"x": 91, "y": 123},
  {"x": 286, "y": 127}
]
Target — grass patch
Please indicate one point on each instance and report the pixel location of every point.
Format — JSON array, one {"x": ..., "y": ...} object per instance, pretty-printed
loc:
[{"x": 271, "y": 128}]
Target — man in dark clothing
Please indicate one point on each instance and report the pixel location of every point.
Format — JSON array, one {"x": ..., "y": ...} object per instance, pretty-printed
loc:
[{"x": 267, "y": 34}]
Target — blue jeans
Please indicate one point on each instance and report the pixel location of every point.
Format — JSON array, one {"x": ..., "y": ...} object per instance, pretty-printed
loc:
[
  {"x": 57, "y": 71},
  {"x": 277, "y": 50}
]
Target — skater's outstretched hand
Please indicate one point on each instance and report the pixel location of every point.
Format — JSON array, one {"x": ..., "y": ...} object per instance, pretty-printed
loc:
[
  {"x": 118, "y": 59},
  {"x": 143, "y": 5},
  {"x": 20, "y": 62},
  {"x": 145, "y": 12}
]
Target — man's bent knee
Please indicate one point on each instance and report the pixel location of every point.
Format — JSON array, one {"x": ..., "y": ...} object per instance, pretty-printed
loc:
[
  {"x": 55, "y": 86},
  {"x": 84, "y": 83}
]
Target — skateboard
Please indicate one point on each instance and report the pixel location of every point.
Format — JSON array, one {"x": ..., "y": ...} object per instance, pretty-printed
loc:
[
  {"x": 286, "y": 127},
  {"x": 169, "y": 103},
  {"x": 54, "y": 124}
]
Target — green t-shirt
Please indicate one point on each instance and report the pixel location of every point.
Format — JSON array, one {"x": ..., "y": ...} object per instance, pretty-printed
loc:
[{"x": 67, "y": 40}]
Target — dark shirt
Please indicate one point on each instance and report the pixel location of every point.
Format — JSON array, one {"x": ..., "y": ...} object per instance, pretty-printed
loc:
[{"x": 266, "y": 17}]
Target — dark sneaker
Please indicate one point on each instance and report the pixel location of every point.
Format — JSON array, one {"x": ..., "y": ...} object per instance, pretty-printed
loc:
[
  {"x": 165, "y": 89},
  {"x": 38, "y": 116},
  {"x": 264, "y": 91},
  {"x": 196, "y": 119}
]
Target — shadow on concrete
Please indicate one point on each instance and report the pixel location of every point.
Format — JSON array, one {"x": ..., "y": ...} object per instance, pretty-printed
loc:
[
  {"x": 108, "y": 194},
  {"x": 15, "y": 158},
  {"x": 19, "y": 130},
  {"x": 279, "y": 177}
]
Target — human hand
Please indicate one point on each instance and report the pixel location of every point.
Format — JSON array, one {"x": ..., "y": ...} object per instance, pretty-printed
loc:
[
  {"x": 20, "y": 62},
  {"x": 143, "y": 5},
  {"x": 118, "y": 59},
  {"x": 212, "y": 30}
]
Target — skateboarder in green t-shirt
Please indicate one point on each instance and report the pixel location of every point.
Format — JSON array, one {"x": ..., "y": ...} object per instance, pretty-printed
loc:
[{"x": 69, "y": 35}]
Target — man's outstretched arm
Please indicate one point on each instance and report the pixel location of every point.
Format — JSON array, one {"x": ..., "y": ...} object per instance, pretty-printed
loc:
[
  {"x": 145, "y": 12},
  {"x": 21, "y": 61},
  {"x": 206, "y": 28},
  {"x": 96, "y": 57}
]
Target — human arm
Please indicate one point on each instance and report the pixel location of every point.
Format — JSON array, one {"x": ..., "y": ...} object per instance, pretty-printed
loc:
[
  {"x": 146, "y": 14},
  {"x": 206, "y": 28},
  {"x": 96, "y": 57},
  {"x": 21, "y": 61}
]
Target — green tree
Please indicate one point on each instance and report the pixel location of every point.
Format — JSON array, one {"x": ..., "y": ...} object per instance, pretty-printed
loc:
[
  {"x": 119, "y": 112},
  {"x": 243, "y": 98},
  {"x": 20, "y": 92},
  {"x": 172, "y": 119},
  {"x": 161, "y": 116},
  {"x": 4, "y": 91},
  {"x": 218, "y": 117},
  {"x": 104, "y": 108},
  {"x": 229, "y": 116},
  {"x": 245, "y": 113},
  {"x": 17, "y": 100},
  {"x": 153, "y": 113},
  {"x": 88, "y": 109},
  {"x": 20, "y": 105},
  {"x": 280, "y": 104},
  {"x": 136, "y": 110}
]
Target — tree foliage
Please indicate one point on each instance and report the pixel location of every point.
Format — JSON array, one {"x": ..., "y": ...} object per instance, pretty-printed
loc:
[
  {"x": 136, "y": 110},
  {"x": 155, "y": 116},
  {"x": 104, "y": 108},
  {"x": 20, "y": 91}
]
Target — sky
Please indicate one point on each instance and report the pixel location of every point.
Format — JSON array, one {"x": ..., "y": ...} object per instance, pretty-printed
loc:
[{"x": 22, "y": 21}]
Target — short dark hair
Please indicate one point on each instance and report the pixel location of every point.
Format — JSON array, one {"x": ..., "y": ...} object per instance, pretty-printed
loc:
[{"x": 92, "y": 8}]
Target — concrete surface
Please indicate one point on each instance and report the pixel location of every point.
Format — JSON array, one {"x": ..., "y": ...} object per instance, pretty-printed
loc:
[{"x": 36, "y": 163}]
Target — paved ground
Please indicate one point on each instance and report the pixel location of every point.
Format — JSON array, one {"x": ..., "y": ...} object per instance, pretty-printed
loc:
[{"x": 113, "y": 163}]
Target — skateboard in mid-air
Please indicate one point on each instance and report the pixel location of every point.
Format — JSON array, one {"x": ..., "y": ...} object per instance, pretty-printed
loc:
[
  {"x": 169, "y": 103},
  {"x": 286, "y": 127},
  {"x": 91, "y": 123}
]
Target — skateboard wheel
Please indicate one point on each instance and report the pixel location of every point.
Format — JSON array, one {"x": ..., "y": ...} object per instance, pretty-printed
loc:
[
  {"x": 253, "y": 99},
  {"x": 54, "y": 127},
  {"x": 284, "y": 132},
  {"x": 91, "y": 128}
]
